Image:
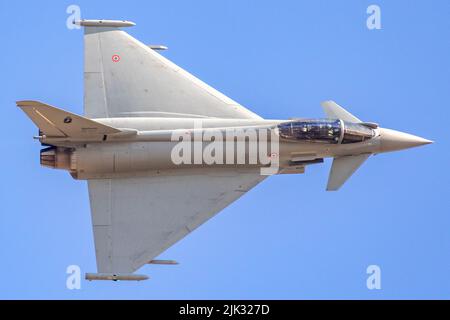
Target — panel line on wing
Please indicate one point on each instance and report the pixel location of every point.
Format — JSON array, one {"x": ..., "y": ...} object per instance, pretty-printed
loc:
[{"x": 102, "y": 73}]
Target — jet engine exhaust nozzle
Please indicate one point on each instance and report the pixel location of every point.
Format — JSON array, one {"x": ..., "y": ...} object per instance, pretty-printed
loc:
[{"x": 56, "y": 158}]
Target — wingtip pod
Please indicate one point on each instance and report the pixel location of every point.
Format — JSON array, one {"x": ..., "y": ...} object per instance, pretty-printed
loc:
[
  {"x": 104, "y": 23},
  {"x": 115, "y": 277},
  {"x": 166, "y": 262}
]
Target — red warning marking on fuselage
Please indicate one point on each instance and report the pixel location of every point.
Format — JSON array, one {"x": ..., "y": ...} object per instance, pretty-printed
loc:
[{"x": 115, "y": 58}]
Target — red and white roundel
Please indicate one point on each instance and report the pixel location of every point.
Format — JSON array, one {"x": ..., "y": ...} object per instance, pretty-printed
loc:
[{"x": 116, "y": 58}]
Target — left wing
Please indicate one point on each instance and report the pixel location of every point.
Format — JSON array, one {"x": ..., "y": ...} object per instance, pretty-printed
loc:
[{"x": 135, "y": 219}]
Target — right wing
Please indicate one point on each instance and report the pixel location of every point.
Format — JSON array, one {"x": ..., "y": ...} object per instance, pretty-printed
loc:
[
  {"x": 135, "y": 219},
  {"x": 125, "y": 78}
]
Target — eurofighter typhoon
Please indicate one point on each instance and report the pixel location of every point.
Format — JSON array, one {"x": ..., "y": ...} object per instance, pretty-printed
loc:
[{"x": 163, "y": 152}]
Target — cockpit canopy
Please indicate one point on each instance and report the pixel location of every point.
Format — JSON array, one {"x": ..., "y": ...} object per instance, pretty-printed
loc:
[
  {"x": 328, "y": 131},
  {"x": 355, "y": 132},
  {"x": 324, "y": 131}
]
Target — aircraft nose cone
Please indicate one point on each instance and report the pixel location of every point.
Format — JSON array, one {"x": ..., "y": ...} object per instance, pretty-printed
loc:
[{"x": 392, "y": 140}]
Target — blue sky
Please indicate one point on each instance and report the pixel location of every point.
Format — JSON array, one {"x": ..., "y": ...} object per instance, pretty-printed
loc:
[{"x": 287, "y": 238}]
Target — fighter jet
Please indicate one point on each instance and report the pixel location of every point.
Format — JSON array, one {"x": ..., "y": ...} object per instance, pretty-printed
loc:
[{"x": 142, "y": 113}]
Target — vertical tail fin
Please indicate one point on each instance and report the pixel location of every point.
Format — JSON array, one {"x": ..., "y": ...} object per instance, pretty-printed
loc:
[{"x": 57, "y": 123}]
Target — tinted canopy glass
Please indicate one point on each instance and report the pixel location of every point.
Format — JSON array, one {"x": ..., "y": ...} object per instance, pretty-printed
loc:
[
  {"x": 322, "y": 130},
  {"x": 355, "y": 132}
]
